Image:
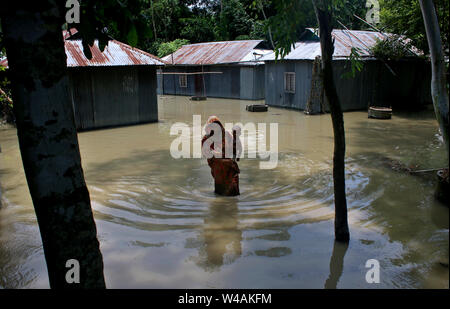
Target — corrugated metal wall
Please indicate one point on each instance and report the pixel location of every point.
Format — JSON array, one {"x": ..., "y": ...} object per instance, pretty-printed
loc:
[
  {"x": 226, "y": 85},
  {"x": 374, "y": 85},
  {"x": 159, "y": 78},
  {"x": 234, "y": 82},
  {"x": 113, "y": 96},
  {"x": 252, "y": 83},
  {"x": 274, "y": 87}
]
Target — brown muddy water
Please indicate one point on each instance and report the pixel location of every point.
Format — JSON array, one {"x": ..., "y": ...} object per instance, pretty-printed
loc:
[{"x": 161, "y": 226}]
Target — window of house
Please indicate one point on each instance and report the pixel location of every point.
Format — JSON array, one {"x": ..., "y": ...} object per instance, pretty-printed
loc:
[
  {"x": 289, "y": 82},
  {"x": 183, "y": 81}
]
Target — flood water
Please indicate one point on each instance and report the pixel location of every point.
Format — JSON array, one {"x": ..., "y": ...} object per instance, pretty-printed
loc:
[{"x": 161, "y": 226}]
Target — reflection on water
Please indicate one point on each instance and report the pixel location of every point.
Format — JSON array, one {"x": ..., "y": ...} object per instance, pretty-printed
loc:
[
  {"x": 336, "y": 265},
  {"x": 160, "y": 224},
  {"x": 221, "y": 235}
]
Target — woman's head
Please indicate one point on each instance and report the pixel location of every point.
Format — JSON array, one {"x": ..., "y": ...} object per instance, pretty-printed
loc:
[
  {"x": 210, "y": 124},
  {"x": 212, "y": 119}
]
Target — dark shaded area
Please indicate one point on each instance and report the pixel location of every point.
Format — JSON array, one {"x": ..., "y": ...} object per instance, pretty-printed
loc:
[
  {"x": 375, "y": 85},
  {"x": 40, "y": 92},
  {"x": 336, "y": 264},
  {"x": 113, "y": 96}
]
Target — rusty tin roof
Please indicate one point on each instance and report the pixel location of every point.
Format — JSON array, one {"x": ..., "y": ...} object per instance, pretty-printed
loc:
[
  {"x": 226, "y": 52},
  {"x": 115, "y": 54}
]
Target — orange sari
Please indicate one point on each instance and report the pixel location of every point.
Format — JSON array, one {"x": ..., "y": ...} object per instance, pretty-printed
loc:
[{"x": 225, "y": 171}]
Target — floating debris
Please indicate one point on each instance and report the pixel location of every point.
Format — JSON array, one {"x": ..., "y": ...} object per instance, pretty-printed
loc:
[
  {"x": 257, "y": 108},
  {"x": 380, "y": 112}
]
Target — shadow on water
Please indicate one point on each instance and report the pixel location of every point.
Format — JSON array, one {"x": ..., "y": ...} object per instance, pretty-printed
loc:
[
  {"x": 425, "y": 114},
  {"x": 336, "y": 264}
]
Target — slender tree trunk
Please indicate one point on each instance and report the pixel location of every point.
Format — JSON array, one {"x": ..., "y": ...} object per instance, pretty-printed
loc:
[
  {"x": 48, "y": 140},
  {"x": 153, "y": 22},
  {"x": 438, "y": 81},
  {"x": 261, "y": 7},
  {"x": 324, "y": 16}
]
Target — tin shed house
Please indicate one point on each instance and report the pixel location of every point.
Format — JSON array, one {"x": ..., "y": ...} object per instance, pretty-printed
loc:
[
  {"x": 295, "y": 82},
  {"x": 228, "y": 69},
  {"x": 116, "y": 87}
]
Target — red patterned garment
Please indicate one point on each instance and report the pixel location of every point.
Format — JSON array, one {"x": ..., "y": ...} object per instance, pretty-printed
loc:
[{"x": 225, "y": 171}]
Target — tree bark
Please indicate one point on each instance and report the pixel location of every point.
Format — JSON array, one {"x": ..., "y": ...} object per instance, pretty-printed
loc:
[
  {"x": 438, "y": 81},
  {"x": 48, "y": 140},
  {"x": 323, "y": 15}
]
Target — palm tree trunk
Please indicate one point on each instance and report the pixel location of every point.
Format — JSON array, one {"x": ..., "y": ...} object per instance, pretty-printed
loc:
[{"x": 48, "y": 140}]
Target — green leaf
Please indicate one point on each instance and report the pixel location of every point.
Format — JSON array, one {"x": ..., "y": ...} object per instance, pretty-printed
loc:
[{"x": 132, "y": 36}]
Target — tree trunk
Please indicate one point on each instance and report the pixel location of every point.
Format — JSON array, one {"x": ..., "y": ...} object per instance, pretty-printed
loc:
[
  {"x": 438, "y": 81},
  {"x": 153, "y": 22},
  {"x": 324, "y": 16},
  {"x": 48, "y": 140}
]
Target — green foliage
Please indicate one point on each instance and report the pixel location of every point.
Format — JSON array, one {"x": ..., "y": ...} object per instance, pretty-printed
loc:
[
  {"x": 393, "y": 47},
  {"x": 167, "y": 48},
  {"x": 102, "y": 19},
  {"x": 152, "y": 46},
  {"x": 293, "y": 16},
  {"x": 289, "y": 23},
  {"x": 344, "y": 11},
  {"x": 259, "y": 30},
  {"x": 234, "y": 20},
  {"x": 147, "y": 24},
  {"x": 356, "y": 63},
  {"x": 198, "y": 29},
  {"x": 405, "y": 17}
]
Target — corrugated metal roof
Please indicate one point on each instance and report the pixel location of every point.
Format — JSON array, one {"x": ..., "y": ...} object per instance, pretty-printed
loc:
[
  {"x": 344, "y": 41},
  {"x": 213, "y": 53},
  {"x": 115, "y": 54}
]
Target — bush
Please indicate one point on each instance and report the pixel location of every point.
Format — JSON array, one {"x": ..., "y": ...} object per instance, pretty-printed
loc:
[
  {"x": 167, "y": 48},
  {"x": 394, "y": 47}
]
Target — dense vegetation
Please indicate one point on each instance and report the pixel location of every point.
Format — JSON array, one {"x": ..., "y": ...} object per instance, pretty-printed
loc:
[
  {"x": 220, "y": 20},
  {"x": 404, "y": 17},
  {"x": 197, "y": 21},
  {"x": 162, "y": 26}
]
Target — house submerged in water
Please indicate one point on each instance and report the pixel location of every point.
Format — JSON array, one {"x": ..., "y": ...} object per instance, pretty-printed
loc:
[
  {"x": 294, "y": 82},
  {"x": 228, "y": 69},
  {"x": 116, "y": 87}
]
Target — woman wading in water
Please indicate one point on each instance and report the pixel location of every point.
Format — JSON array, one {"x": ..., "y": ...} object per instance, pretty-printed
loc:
[{"x": 224, "y": 168}]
